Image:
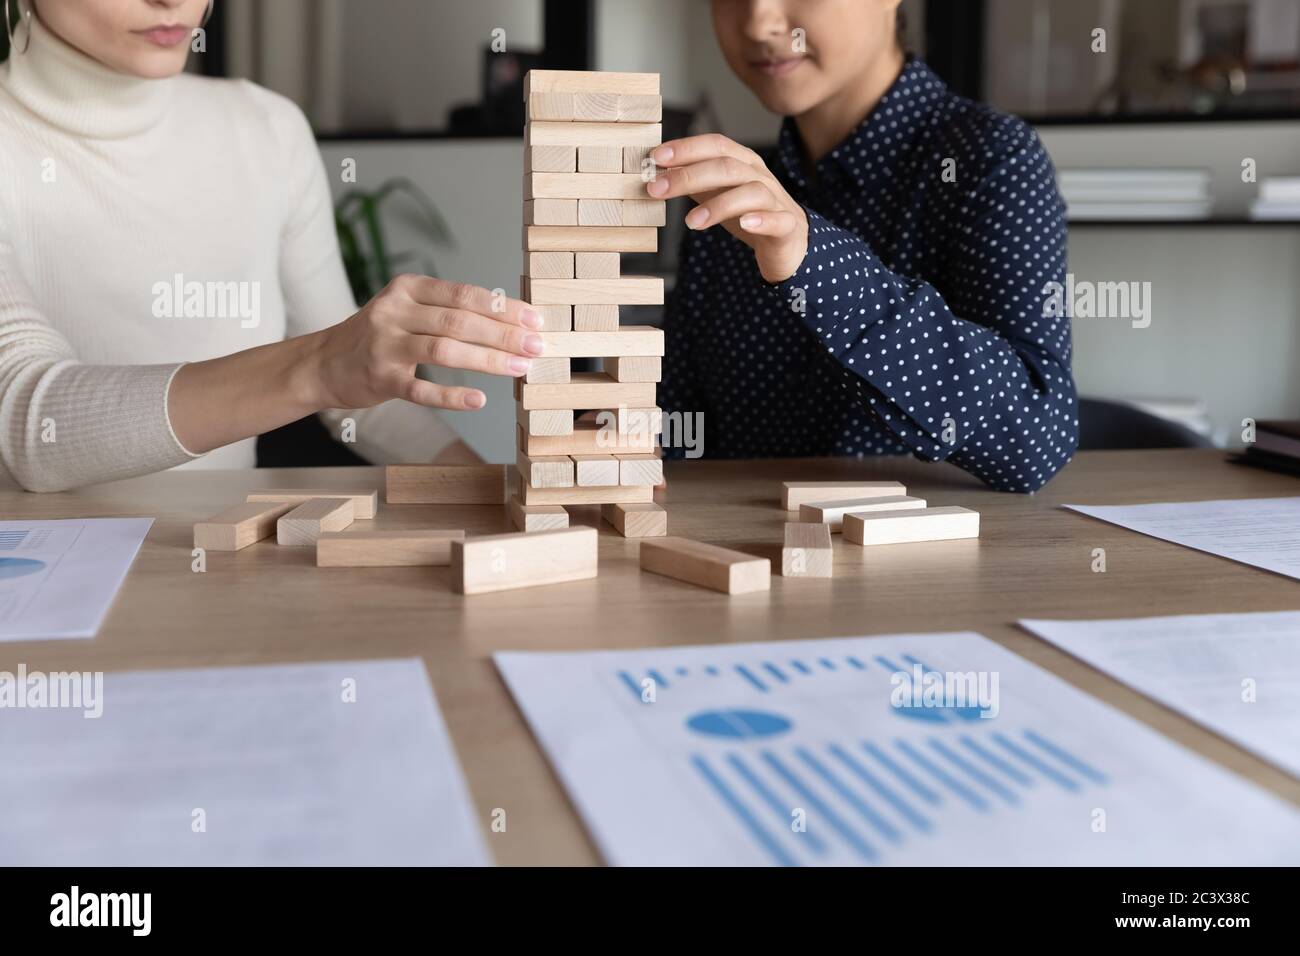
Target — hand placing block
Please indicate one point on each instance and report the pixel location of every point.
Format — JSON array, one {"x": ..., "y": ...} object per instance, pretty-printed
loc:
[
  {"x": 706, "y": 565},
  {"x": 902, "y": 527},
  {"x": 238, "y": 527},
  {"x": 796, "y": 493},
  {"x": 445, "y": 484},
  {"x": 501, "y": 562},
  {"x": 537, "y": 517},
  {"x": 831, "y": 513},
  {"x": 364, "y": 503},
  {"x": 806, "y": 551},
  {"x": 307, "y": 522},
  {"x": 385, "y": 549},
  {"x": 645, "y": 520}
]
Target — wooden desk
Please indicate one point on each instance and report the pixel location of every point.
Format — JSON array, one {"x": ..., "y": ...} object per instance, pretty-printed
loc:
[{"x": 270, "y": 604}]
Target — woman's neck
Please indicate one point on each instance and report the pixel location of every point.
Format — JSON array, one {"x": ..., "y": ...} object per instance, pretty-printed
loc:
[{"x": 826, "y": 125}]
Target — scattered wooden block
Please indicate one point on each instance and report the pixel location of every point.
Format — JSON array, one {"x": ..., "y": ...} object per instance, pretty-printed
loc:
[
  {"x": 796, "y": 493},
  {"x": 901, "y": 527},
  {"x": 551, "y": 212},
  {"x": 364, "y": 503},
  {"x": 600, "y": 212},
  {"x": 555, "y": 318},
  {"x": 445, "y": 484},
  {"x": 635, "y": 161},
  {"x": 591, "y": 239},
  {"x": 640, "y": 469},
  {"x": 706, "y": 565},
  {"x": 595, "y": 107},
  {"x": 548, "y": 371},
  {"x": 546, "y": 471},
  {"x": 806, "y": 551},
  {"x": 640, "y": 340},
  {"x": 601, "y": 495},
  {"x": 644, "y": 212},
  {"x": 588, "y": 438},
  {"x": 634, "y": 368},
  {"x": 545, "y": 421},
  {"x": 592, "y": 134},
  {"x": 386, "y": 549},
  {"x": 305, "y": 523},
  {"x": 596, "y": 471},
  {"x": 501, "y": 562},
  {"x": 594, "y": 265},
  {"x": 241, "y": 525},
  {"x": 831, "y": 513},
  {"x": 600, "y": 159},
  {"x": 586, "y": 390},
  {"x": 557, "y": 107},
  {"x": 583, "y": 81},
  {"x": 584, "y": 186},
  {"x": 626, "y": 290},
  {"x": 537, "y": 517},
  {"x": 639, "y": 108},
  {"x": 592, "y": 317},
  {"x": 550, "y": 159},
  {"x": 550, "y": 265},
  {"x": 644, "y": 520}
]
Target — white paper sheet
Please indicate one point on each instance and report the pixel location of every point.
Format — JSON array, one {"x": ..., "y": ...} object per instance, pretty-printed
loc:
[
  {"x": 283, "y": 769},
  {"x": 742, "y": 744},
  {"x": 58, "y": 578},
  {"x": 1236, "y": 674},
  {"x": 1264, "y": 532}
]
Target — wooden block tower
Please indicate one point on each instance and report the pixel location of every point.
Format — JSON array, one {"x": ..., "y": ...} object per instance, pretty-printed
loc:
[{"x": 586, "y": 151}]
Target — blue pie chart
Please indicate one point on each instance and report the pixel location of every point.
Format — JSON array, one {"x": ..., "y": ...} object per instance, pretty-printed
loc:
[
  {"x": 19, "y": 567},
  {"x": 738, "y": 724}
]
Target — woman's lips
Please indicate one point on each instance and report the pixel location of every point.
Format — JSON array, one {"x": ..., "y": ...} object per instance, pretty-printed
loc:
[
  {"x": 778, "y": 67},
  {"x": 165, "y": 35}
]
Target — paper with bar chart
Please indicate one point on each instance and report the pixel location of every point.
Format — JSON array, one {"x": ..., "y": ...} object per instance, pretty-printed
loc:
[{"x": 913, "y": 749}]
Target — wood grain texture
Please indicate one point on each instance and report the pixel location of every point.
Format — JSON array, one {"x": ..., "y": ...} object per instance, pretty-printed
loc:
[
  {"x": 706, "y": 565},
  {"x": 386, "y": 549},
  {"x": 584, "y": 186},
  {"x": 605, "y": 494},
  {"x": 640, "y": 468},
  {"x": 593, "y": 317},
  {"x": 644, "y": 212},
  {"x": 240, "y": 525},
  {"x": 905, "y": 527},
  {"x": 831, "y": 513},
  {"x": 591, "y": 239},
  {"x": 445, "y": 484},
  {"x": 536, "y": 517},
  {"x": 550, "y": 265},
  {"x": 600, "y": 212},
  {"x": 595, "y": 265},
  {"x": 806, "y": 551},
  {"x": 585, "y": 81},
  {"x": 626, "y": 290},
  {"x": 639, "y": 108},
  {"x": 642, "y": 520},
  {"x": 555, "y": 318},
  {"x": 503, "y": 562},
  {"x": 596, "y": 471},
  {"x": 546, "y": 471},
  {"x": 301, "y": 526},
  {"x": 796, "y": 493},
  {"x": 364, "y": 503},
  {"x": 588, "y": 438},
  {"x": 600, "y": 159},
  {"x": 557, "y": 107},
  {"x": 634, "y": 368},
  {"x": 639, "y": 340},
  {"x": 545, "y": 421},
  {"x": 551, "y": 212},
  {"x": 592, "y": 107},
  {"x": 552, "y": 159},
  {"x": 586, "y": 390},
  {"x": 549, "y": 371},
  {"x": 634, "y": 159},
  {"x": 592, "y": 134}
]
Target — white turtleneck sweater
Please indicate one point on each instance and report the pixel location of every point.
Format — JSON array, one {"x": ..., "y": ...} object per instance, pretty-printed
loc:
[{"x": 112, "y": 187}]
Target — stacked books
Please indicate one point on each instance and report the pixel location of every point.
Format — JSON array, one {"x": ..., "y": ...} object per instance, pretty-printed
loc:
[
  {"x": 1148, "y": 194},
  {"x": 1279, "y": 198}
]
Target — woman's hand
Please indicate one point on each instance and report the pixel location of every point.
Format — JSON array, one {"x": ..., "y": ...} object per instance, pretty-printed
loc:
[
  {"x": 734, "y": 188},
  {"x": 372, "y": 356}
]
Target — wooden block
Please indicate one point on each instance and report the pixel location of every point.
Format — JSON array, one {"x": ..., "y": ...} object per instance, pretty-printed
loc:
[
  {"x": 585, "y": 81},
  {"x": 831, "y": 513},
  {"x": 592, "y": 134},
  {"x": 583, "y": 186},
  {"x": 550, "y": 265},
  {"x": 445, "y": 484},
  {"x": 586, "y": 390},
  {"x": 596, "y": 471},
  {"x": 901, "y": 527},
  {"x": 546, "y": 471},
  {"x": 640, "y": 340},
  {"x": 501, "y": 562},
  {"x": 600, "y": 212},
  {"x": 595, "y": 108},
  {"x": 644, "y": 520},
  {"x": 555, "y": 318},
  {"x": 600, "y": 159},
  {"x": 241, "y": 525},
  {"x": 594, "y": 265},
  {"x": 591, "y": 239},
  {"x": 707, "y": 565},
  {"x": 551, "y": 212},
  {"x": 806, "y": 551},
  {"x": 625, "y": 290},
  {"x": 547, "y": 421},
  {"x": 537, "y": 517},
  {"x": 364, "y": 503},
  {"x": 796, "y": 493},
  {"x": 386, "y": 549},
  {"x": 635, "y": 161},
  {"x": 597, "y": 495},
  {"x": 640, "y": 469},
  {"x": 644, "y": 212},
  {"x": 549, "y": 371},
  {"x": 557, "y": 107},
  {"x": 591, "y": 317},
  {"x": 638, "y": 421},
  {"x": 550, "y": 159},
  {"x": 588, "y": 438},
  {"x": 634, "y": 368},
  {"x": 639, "y": 108},
  {"x": 307, "y": 522}
]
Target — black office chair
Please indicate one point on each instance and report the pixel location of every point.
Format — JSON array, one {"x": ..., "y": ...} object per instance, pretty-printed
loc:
[{"x": 1115, "y": 425}]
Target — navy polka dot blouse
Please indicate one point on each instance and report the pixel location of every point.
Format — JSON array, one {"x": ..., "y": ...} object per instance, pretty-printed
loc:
[{"x": 915, "y": 323}]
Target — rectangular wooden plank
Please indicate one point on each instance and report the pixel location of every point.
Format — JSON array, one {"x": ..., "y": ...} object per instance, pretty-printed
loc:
[
  {"x": 445, "y": 484},
  {"x": 600, "y": 212},
  {"x": 796, "y": 493},
  {"x": 554, "y": 107},
  {"x": 638, "y": 340},
  {"x": 639, "y": 108},
  {"x": 241, "y": 525},
  {"x": 583, "y": 186},
  {"x": 613, "y": 494},
  {"x": 600, "y": 159},
  {"x": 595, "y": 107},
  {"x": 552, "y": 159},
  {"x": 550, "y": 265},
  {"x": 537, "y": 517},
  {"x": 549, "y": 371},
  {"x": 555, "y": 318},
  {"x": 806, "y": 551},
  {"x": 595, "y": 265},
  {"x": 545, "y": 421},
  {"x": 595, "y": 471},
  {"x": 429, "y": 547},
  {"x": 902, "y": 527},
  {"x": 831, "y": 513},
  {"x": 625, "y": 290},
  {"x": 587, "y": 81},
  {"x": 706, "y": 565},
  {"x": 591, "y": 239},
  {"x": 588, "y": 438},
  {"x": 637, "y": 520},
  {"x": 644, "y": 212},
  {"x": 592, "y": 134},
  {"x": 364, "y": 503},
  {"x": 587, "y": 390},
  {"x": 640, "y": 469},
  {"x": 595, "y": 317},
  {"x": 501, "y": 562},
  {"x": 301, "y": 526},
  {"x": 635, "y": 161},
  {"x": 552, "y": 212},
  {"x": 540, "y": 471},
  {"x": 634, "y": 368}
]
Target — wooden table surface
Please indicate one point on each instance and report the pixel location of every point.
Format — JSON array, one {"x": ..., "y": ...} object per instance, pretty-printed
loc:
[{"x": 270, "y": 604}]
